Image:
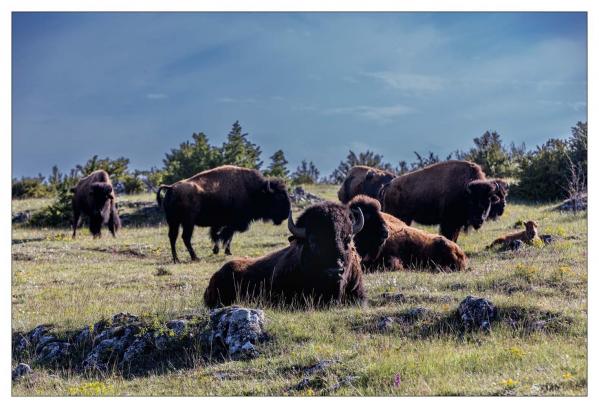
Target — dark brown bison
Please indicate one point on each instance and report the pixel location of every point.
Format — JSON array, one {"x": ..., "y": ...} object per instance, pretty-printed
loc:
[
  {"x": 454, "y": 194},
  {"x": 320, "y": 265},
  {"x": 363, "y": 180},
  {"x": 227, "y": 199},
  {"x": 399, "y": 246},
  {"x": 498, "y": 208},
  {"x": 94, "y": 197}
]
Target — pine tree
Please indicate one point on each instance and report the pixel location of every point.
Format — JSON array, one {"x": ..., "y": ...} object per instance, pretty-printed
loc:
[
  {"x": 366, "y": 158},
  {"x": 306, "y": 173},
  {"x": 190, "y": 158},
  {"x": 239, "y": 151},
  {"x": 278, "y": 166}
]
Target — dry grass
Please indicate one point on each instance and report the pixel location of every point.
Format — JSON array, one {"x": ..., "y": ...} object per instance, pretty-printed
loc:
[{"x": 74, "y": 283}]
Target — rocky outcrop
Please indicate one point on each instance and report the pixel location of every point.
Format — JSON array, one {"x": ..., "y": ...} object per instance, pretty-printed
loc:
[
  {"x": 477, "y": 313},
  {"x": 234, "y": 333},
  {"x": 132, "y": 344}
]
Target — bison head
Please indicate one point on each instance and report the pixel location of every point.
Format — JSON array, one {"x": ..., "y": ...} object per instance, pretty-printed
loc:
[
  {"x": 324, "y": 235},
  {"x": 274, "y": 201},
  {"x": 448, "y": 253},
  {"x": 102, "y": 198},
  {"x": 369, "y": 242},
  {"x": 480, "y": 195},
  {"x": 374, "y": 182},
  {"x": 501, "y": 191}
]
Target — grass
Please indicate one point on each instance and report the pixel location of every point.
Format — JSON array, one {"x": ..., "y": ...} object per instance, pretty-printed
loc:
[{"x": 74, "y": 283}]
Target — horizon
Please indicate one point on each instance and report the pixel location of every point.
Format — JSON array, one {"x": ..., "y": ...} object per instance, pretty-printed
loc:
[{"x": 314, "y": 85}]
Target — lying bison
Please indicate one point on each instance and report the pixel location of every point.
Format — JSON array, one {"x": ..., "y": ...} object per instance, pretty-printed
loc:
[
  {"x": 320, "y": 265},
  {"x": 227, "y": 199},
  {"x": 386, "y": 242},
  {"x": 454, "y": 194},
  {"x": 363, "y": 180},
  {"x": 94, "y": 197}
]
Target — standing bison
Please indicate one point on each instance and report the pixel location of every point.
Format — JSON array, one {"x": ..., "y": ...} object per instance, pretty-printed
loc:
[
  {"x": 386, "y": 242},
  {"x": 227, "y": 199},
  {"x": 94, "y": 197},
  {"x": 363, "y": 180},
  {"x": 320, "y": 265},
  {"x": 454, "y": 194},
  {"x": 498, "y": 208}
]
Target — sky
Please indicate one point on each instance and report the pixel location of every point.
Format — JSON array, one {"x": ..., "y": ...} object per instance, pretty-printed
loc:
[{"x": 313, "y": 84}]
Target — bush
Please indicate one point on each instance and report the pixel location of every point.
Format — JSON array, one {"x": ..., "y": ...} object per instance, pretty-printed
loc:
[
  {"x": 59, "y": 213},
  {"x": 132, "y": 184},
  {"x": 30, "y": 187},
  {"x": 547, "y": 172}
]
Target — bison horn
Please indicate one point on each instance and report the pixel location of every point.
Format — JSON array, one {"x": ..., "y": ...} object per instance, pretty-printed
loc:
[
  {"x": 359, "y": 220},
  {"x": 296, "y": 231}
]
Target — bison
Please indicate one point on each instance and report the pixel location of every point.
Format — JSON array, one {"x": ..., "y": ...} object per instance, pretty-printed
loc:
[
  {"x": 94, "y": 197},
  {"x": 502, "y": 192},
  {"x": 363, "y": 180},
  {"x": 319, "y": 266},
  {"x": 527, "y": 236},
  {"x": 454, "y": 194},
  {"x": 227, "y": 199},
  {"x": 388, "y": 243}
]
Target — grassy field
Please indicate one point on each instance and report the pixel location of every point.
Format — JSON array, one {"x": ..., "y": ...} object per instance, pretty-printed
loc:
[{"x": 74, "y": 283}]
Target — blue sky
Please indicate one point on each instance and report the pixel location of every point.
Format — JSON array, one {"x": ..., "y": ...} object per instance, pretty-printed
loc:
[{"x": 312, "y": 84}]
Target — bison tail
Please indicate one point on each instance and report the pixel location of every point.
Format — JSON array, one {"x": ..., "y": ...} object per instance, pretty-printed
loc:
[{"x": 158, "y": 196}]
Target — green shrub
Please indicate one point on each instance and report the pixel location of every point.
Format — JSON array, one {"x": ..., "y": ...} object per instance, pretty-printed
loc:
[
  {"x": 57, "y": 214},
  {"x": 30, "y": 187},
  {"x": 132, "y": 184}
]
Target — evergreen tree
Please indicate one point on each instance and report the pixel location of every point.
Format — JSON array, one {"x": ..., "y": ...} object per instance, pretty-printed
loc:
[
  {"x": 278, "y": 166},
  {"x": 239, "y": 151},
  {"x": 306, "y": 173},
  {"x": 491, "y": 155},
  {"x": 190, "y": 158},
  {"x": 366, "y": 158}
]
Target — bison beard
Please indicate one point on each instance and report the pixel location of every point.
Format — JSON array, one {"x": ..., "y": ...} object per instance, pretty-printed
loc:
[
  {"x": 454, "y": 194},
  {"x": 227, "y": 199},
  {"x": 94, "y": 197},
  {"x": 399, "y": 245},
  {"x": 363, "y": 180},
  {"x": 320, "y": 265}
]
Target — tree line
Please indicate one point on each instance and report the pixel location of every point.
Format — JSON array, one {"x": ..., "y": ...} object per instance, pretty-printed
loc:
[{"x": 554, "y": 170}]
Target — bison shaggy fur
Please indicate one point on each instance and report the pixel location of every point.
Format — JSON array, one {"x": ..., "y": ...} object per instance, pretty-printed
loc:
[
  {"x": 227, "y": 199},
  {"x": 94, "y": 197},
  {"x": 454, "y": 194},
  {"x": 403, "y": 246},
  {"x": 319, "y": 266},
  {"x": 363, "y": 180}
]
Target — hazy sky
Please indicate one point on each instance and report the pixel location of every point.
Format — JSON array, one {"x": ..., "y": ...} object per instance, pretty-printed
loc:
[{"x": 312, "y": 84}]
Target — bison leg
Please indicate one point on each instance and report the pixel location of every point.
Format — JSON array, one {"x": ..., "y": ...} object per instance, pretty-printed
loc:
[
  {"x": 450, "y": 232},
  {"x": 187, "y": 233},
  {"x": 76, "y": 217},
  {"x": 173, "y": 232},
  {"x": 112, "y": 224},
  {"x": 226, "y": 236},
  {"x": 215, "y": 237}
]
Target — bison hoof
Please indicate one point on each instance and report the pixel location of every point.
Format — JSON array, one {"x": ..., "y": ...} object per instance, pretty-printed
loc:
[
  {"x": 215, "y": 250},
  {"x": 228, "y": 252}
]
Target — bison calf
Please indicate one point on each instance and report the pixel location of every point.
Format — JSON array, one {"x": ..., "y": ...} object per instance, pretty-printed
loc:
[
  {"x": 94, "y": 197},
  {"x": 227, "y": 199},
  {"x": 387, "y": 242},
  {"x": 526, "y": 236},
  {"x": 320, "y": 265}
]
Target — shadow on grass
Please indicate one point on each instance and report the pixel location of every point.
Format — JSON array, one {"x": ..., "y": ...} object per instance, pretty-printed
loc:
[{"x": 421, "y": 323}]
